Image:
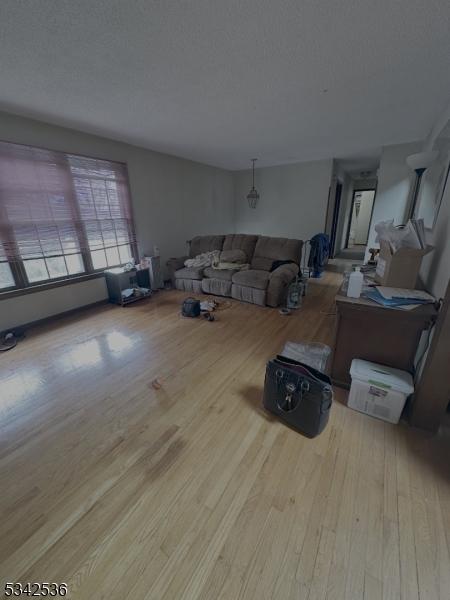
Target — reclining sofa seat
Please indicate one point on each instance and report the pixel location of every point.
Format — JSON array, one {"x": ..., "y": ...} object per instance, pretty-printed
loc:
[
  {"x": 257, "y": 284},
  {"x": 189, "y": 279},
  {"x": 219, "y": 282},
  {"x": 261, "y": 286}
]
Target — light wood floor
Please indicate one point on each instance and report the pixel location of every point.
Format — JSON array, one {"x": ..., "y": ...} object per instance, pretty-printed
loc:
[{"x": 192, "y": 491}]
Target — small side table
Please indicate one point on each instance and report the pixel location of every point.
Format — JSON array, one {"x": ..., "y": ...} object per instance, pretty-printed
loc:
[{"x": 118, "y": 279}]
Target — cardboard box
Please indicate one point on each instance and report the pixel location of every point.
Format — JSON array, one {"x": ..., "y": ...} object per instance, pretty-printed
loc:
[{"x": 399, "y": 269}]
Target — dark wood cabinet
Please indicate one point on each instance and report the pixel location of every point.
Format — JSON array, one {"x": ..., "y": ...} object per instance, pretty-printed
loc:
[{"x": 371, "y": 332}]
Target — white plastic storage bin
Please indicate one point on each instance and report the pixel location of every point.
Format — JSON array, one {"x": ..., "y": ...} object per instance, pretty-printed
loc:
[{"x": 378, "y": 390}]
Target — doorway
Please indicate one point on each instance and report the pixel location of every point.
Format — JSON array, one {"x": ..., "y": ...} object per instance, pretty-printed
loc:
[{"x": 359, "y": 220}]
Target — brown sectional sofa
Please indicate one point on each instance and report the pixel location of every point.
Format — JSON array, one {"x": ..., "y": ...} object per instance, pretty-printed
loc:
[{"x": 259, "y": 284}]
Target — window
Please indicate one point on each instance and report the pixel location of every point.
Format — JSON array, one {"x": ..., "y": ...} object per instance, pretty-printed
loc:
[
  {"x": 6, "y": 276},
  {"x": 61, "y": 216},
  {"x": 99, "y": 191}
]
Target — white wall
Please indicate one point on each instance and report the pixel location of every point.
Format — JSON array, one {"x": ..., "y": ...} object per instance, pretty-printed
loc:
[
  {"x": 435, "y": 271},
  {"x": 395, "y": 181},
  {"x": 32, "y": 307},
  {"x": 173, "y": 200},
  {"x": 293, "y": 200}
]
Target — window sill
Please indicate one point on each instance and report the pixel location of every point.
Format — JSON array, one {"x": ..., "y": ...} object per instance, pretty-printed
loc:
[{"x": 49, "y": 285}]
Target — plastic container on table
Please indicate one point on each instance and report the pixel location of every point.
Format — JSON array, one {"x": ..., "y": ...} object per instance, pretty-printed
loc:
[
  {"x": 313, "y": 354},
  {"x": 355, "y": 283},
  {"x": 378, "y": 390}
]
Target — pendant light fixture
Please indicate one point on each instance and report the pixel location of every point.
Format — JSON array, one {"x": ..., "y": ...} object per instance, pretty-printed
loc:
[{"x": 253, "y": 196}]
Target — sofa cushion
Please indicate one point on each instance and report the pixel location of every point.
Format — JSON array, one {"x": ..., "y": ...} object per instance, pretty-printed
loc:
[
  {"x": 205, "y": 243},
  {"x": 261, "y": 263},
  {"x": 241, "y": 241},
  {"x": 233, "y": 256},
  {"x": 269, "y": 249},
  {"x": 252, "y": 278},
  {"x": 224, "y": 274},
  {"x": 189, "y": 273}
]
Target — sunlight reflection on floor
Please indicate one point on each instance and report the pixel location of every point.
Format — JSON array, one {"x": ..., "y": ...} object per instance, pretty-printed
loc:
[
  {"x": 118, "y": 342},
  {"x": 19, "y": 385},
  {"x": 92, "y": 353}
]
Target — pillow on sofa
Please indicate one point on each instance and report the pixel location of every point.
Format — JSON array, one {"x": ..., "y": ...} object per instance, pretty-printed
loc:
[{"x": 233, "y": 256}]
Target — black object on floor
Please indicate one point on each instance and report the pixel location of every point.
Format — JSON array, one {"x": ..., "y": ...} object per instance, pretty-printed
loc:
[
  {"x": 298, "y": 394},
  {"x": 190, "y": 307},
  {"x": 8, "y": 343}
]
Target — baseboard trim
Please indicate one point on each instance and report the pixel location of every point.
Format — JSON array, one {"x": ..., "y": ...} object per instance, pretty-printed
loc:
[{"x": 19, "y": 329}]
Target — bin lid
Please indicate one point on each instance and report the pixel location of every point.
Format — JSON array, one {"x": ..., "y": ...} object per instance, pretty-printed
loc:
[{"x": 381, "y": 375}]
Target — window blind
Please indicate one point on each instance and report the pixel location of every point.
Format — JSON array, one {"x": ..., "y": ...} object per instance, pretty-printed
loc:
[
  {"x": 62, "y": 214},
  {"x": 103, "y": 201}
]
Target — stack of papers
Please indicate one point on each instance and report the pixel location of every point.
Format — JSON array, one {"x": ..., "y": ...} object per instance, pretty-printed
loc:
[
  {"x": 392, "y": 293},
  {"x": 405, "y": 299}
]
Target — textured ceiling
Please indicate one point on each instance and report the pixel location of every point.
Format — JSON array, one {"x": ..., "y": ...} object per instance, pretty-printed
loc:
[{"x": 221, "y": 81}]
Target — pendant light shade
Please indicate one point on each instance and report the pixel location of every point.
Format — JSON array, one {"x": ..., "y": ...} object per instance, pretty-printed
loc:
[{"x": 253, "y": 196}]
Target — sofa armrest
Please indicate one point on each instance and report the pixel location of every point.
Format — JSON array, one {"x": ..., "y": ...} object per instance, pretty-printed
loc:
[
  {"x": 173, "y": 264},
  {"x": 285, "y": 272},
  {"x": 279, "y": 281}
]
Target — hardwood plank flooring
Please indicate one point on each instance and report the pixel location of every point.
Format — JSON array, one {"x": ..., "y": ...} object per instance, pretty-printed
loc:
[{"x": 192, "y": 491}]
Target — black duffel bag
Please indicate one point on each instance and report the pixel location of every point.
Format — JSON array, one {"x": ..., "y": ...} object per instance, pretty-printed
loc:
[
  {"x": 190, "y": 307},
  {"x": 298, "y": 394}
]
